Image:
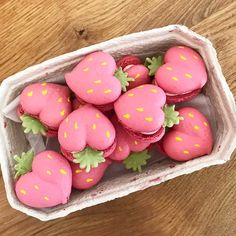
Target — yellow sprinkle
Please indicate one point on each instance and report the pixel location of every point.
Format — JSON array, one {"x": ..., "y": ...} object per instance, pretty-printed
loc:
[
  {"x": 49, "y": 172},
  {"x": 196, "y": 145},
  {"x": 44, "y": 84},
  {"x": 44, "y": 92},
  {"x": 97, "y": 81},
  {"x": 136, "y": 142},
  {"x": 49, "y": 156},
  {"x": 89, "y": 180},
  {"x": 63, "y": 172},
  {"x": 97, "y": 115},
  {"x": 195, "y": 57},
  {"x": 67, "y": 119},
  {"x": 90, "y": 91},
  {"x": 154, "y": 90},
  {"x": 62, "y": 113},
  {"x": 137, "y": 76},
  {"x": 36, "y": 187},
  {"x": 149, "y": 119},
  {"x": 94, "y": 126},
  {"x": 65, "y": 135},
  {"x": 186, "y": 152},
  {"x": 59, "y": 99},
  {"x": 205, "y": 123},
  {"x": 175, "y": 78},
  {"x": 90, "y": 59},
  {"x": 180, "y": 47},
  {"x": 108, "y": 134},
  {"x": 130, "y": 94},
  {"x": 68, "y": 99},
  {"x": 78, "y": 171},
  {"x": 196, "y": 127},
  {"x": 86, "y": 69},
  {"x": 104, "y": 63},
  {"x": 140, "y": 109},
  {"x": 141, "y": 86},
  {"x": 108, "y": 91},
  {"x": 120, "y": 148},
  {"x": 23, "y": 191},
  {"x": 76, "y": 125},
  {"x": 182, "y": 57},
  {"x": 178, "y": 139},
  {"x": 190, "y": 115},
  {"x": 46, "y": 198},
  {"x": 188, "y": 75},
  {"x": 126, "y": 116},
  {"x": 30, "y": 94},
  {"x": 169, "y": 68}
]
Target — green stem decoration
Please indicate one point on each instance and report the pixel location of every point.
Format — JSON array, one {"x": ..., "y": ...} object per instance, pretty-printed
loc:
[
  {"x": 171, "y": 116},
  {"x": 123, "y": 78},
  {"x": 153, "y": 64}
]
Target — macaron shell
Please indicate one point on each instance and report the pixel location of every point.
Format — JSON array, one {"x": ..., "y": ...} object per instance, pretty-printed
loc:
[
  {"x": 128, "y": 60},
  {"x": 140, "y": 109}
]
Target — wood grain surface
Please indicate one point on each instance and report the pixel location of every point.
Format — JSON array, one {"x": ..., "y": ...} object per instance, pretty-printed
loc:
[{"x": 203, "y": 203}]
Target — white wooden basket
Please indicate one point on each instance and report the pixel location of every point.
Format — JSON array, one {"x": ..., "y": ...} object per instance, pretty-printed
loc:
[{"x": 147, "y": 43}]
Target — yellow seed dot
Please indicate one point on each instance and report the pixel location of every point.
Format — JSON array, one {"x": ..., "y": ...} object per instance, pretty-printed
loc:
[
  {"x": 59, "y": 99},
  {"x": 196, "y": 127},
  {"x": 78, "y": 171},
  {"x": 30, "y": 94},
  {"x": 120, "y": 148},
  {"x": 154, "y": 90},
  {"x": 104, "y": 63},
  {"x": 36, "y": 187},
  {"x": 137, "y": 76},
  {"x": 188, "y": 75},
  {"x": 180, "y": 47},
  {"x": 65, "y": 135},
  {"x": 108, "y": 91},
  {"x": 135, "y": 142},
  {"x": 49, "y": 156},
  {"x": 186, "y": 152},
  {"x": 141, "y": 86},
  {"x": 68, "y": 99},
  {"x": 44, "y": 92},
  {"x": 97, "y": 81},
  {"x": 63, "y": 172},
  {"x": 89, "y": 180},
  {"x": 90, "y": 59},
  {"x": 86, "y": 69},
  {"x": 140, "y": 109},
  {"x": 205, "y": 123},
  {"x": 190, "y": 115},
  {"x": 94, "y": 126},
  {"x": 49, "y": 172},
  {"x": 126, "y": 116},
  {"x": 44, "y": 84},
  {"x": 46, "y": 198},
  {"x": 97, "y": 115},
  {"x": 62, "y": 113},
  {"x": 196, "y": 145},
  {"x": 178, "y": 139},
  {"x": 130, "y": 94},
  {"x": 67, "y": 119},
  {"x": 22, "y": 191},
  {"x": 149, "y": 119},
  {"x": 76, "y": 125},
  {"x": 195, "y": 57},
  {"x": 182, "y": 57},
  {"x": 108, "y": 134},
  {"x": 169, "y": 68},
  {"x": 90, "y": 91},
  {"x": 175, "y": 78}
]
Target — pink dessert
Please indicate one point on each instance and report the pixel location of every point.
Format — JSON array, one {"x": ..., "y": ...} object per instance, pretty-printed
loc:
[
  {"x": 45, "y": 180},
  {"x": 190, "y": 139},
  {"x": 87, "y": 136},
  {"x": 128, "y": 60},
  {"x": 84, "y": 180},
  {"x": 182, "y": 75},
  {"x": 43, "y": 107}
]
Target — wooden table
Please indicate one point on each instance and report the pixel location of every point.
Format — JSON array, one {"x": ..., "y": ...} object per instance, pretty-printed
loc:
[{"x": 203, "y": 203}]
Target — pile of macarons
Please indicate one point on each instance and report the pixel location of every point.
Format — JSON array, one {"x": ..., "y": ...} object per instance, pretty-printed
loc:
[{"x": 110, "y": 111}]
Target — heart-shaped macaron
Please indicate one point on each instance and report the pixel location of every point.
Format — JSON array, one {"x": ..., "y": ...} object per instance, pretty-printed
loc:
[
  {"x": 43, "y": 106},
  {"x": 182, "y": 75},
  {"x": 191, "y": 138},
  {"x": 85, "y": 180},
  {"x": 45, "y": 179},
  {"x": 87, "y": 136}
]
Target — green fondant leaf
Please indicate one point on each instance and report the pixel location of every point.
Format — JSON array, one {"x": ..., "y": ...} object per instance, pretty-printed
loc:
[
  {"x": 171, "y": 116},
  {"x": 123, "y": 78},
  {"x": 136, "y": 160},
  {"x": 33, "y": 125},
  {"x": 153, "y": 64},
  {"x": 88, "y": 158},
  {"x": 24, "y": 163}
]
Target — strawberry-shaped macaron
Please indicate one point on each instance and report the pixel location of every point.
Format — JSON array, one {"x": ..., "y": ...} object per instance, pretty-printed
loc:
[
  {"x": 182, "y": 75},
  {"x": 85, "y": 180},
  {"x": 191, "y": 138},
  {"x": 125, "y": 143},
  {"x": 96, "y": 80},
  {"x": 43, "y": 106},
  {"x": 143, "y": 113},
  {"x": 87, "y": 136},
  {"x": 45, "y": 180},
  {"x": 128, "y": 60}
]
